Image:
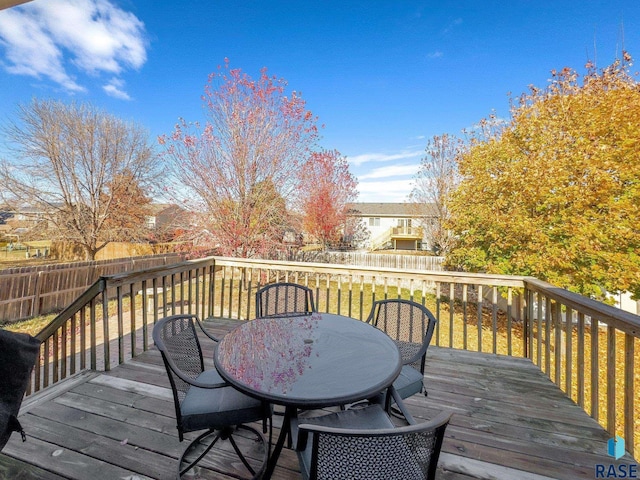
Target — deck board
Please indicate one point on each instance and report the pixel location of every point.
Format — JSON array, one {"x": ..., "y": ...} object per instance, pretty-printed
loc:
[{"x": 509, "y": 422}]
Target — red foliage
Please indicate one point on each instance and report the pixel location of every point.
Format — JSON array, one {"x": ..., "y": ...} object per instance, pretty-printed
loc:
[
  {"x": 327, "y": 188},
  {"x": 239, "y": 170}
]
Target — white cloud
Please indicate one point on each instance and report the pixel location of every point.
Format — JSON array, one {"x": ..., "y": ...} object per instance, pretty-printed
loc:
[
  {"x": 388, "y": 191},
  {"x": 391, "y": 171},
  {"x": 114, "y": 89},
  {"x": 48, "y": 38},
  {"x": 436, "y": 54},
  {"x": 453, "y": 24},
  {"x": 383, "y": 157}
]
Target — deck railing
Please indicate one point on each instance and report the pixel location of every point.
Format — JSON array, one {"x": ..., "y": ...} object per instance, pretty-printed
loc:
[
  {"x": 109, "y": 322},
  {"x": 586, "y": 347}
]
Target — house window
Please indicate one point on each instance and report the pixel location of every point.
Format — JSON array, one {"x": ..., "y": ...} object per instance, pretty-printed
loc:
[{"x": 374, "y": 222}]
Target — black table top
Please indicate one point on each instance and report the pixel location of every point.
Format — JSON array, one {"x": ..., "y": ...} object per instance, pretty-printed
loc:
[{"x": 311, "y": 361}]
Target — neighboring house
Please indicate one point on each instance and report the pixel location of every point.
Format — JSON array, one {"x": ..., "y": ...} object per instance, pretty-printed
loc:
[
  {"x": 166, "y": 219},
  {"x": 23, "y": 221},
  {"x": 396, "y": 226}
]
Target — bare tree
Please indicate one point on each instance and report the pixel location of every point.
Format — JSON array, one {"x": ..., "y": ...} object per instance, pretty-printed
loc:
[
  {"x": 240, "y": 170},
  {"x": 436, "y": 178},
  {"x": 87, "y": 172}
]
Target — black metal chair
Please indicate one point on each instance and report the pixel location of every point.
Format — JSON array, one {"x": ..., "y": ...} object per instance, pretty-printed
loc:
[
  {"x": 18, "y": 355},
  {"x": 284, "y": 299},
  {"x": 204, "y": 401},
  {"x": 364, "y": 444},
  {"x": 411, "y": 326}
]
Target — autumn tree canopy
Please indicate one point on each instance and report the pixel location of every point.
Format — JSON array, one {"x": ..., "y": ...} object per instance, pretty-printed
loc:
[
  {"x": 555, "y": 192},
  {"x": 437, "y": 177},
  {"x": 86, "y": 171},
  {"x": 326, "y": 189},
  {"x": 239, "y": 170}
]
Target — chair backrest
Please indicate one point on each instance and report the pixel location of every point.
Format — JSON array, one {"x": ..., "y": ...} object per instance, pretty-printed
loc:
[
  {"x": 178, "y": 343},
  {"x": 405, "y": 453},
  {"x": 284, "y": 299},
  {"x": 409, "y": 324}
]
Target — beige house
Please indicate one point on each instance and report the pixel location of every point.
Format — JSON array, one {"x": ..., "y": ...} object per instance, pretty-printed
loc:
[{"x": 394, "y": 226}]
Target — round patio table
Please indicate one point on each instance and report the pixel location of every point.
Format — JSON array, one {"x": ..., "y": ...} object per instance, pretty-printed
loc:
[{"x": 308, "y": 361}]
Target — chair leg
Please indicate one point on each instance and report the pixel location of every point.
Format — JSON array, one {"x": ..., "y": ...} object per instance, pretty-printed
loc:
[
  {"x": 226, "y": 434},
  {"x": 265, "y": 455},
  {"x": 181, "y": 470}
]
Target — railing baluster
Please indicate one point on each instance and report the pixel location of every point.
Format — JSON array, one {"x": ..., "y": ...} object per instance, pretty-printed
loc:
[
  {"x": 93, "y": 334},
  {"x": 63, "y": 350},
  {"x": 361, "y": 295},
  {"x": 452, "y": 309},
  {"x": 172, "y": 289},
  {"x": 41, "y": 362},
  {"x": 250, "y": 299},
  {"x": 437, "y": 314},
  {"x": 479, "y": 314},
  {"x": 230, "y": 309},
  {"x": 339, "y": 308},
  {"x": 465, "y": 293},
  {"x": 350, "y": 294},
  {"x": 548, "y": 316},
  {"x": 240, "y": 287},
  {"x": 317, "y": 290},
  {"x": 557, "y": 325},
  {"x": 47, "y": 359},
  {"x": 568, "y": 353},
  {"x": 83, "y": 338},
  {"x": 629, "y": 392},
  {"x": 120, "y": 326},
  {"x": 539, "y": 330},
  {"x": 222, "y": 285},
  {"x": 494, "y": 318},
  {"x": 132, "y": 314},
  {"x": 611, "y": 379},
  {"x": 580, "y": 355},
  {"x": 328, "y": 292},
  {"x": 56, "y": 355},
  {"x": 595, "y": 355},
  {"x": 190, "y": 291},
  {"x": 105, "y": 331},
  {"x": 73, "y": 346}
]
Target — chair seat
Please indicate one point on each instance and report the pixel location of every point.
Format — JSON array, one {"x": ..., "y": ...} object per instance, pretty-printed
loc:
[
  {"x": 369, "y": 418},
  {"x": 204, "y": 408},
  {"x": 409, "y": 382}
]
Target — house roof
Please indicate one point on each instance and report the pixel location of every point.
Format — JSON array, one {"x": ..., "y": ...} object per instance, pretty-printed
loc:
[
  {"x": 159, "y": 208},
  {"x": 411, "y": 210}
]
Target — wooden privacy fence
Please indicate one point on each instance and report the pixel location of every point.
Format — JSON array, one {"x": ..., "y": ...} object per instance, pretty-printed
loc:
[
  {"x": 29, "y": 291},
  {"x": 586, "y": 347},
  {"x": 379, "y": 260}
]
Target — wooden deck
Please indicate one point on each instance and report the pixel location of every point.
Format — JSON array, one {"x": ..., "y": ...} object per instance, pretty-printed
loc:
[{"x": 510, "y": 422}]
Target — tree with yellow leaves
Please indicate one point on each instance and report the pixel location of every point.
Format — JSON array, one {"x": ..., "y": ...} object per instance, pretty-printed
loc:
[{"x": 554, "y": 192}]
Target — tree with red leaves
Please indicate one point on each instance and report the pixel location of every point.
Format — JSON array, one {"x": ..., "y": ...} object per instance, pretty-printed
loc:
[
  {"x": 239, "y": 171},
  {"x": 327, "y": 188}
]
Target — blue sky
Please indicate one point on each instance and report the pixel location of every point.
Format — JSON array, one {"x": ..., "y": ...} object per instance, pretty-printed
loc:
[{"x": 383, "y": 77}]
